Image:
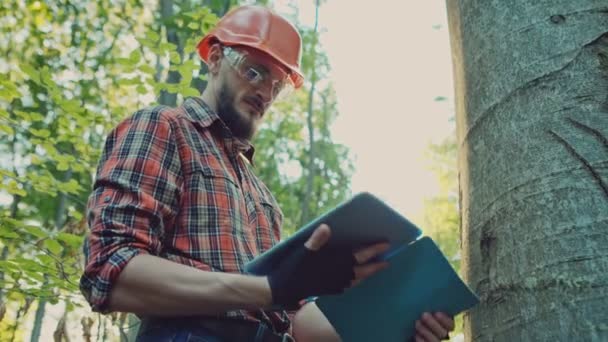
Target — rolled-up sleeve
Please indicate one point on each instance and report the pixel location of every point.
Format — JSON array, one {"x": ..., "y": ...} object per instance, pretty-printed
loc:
[{"x": 134, "y": 201}]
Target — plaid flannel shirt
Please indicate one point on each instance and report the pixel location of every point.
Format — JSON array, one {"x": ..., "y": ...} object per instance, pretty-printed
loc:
[{"x": 173, "y": 182}]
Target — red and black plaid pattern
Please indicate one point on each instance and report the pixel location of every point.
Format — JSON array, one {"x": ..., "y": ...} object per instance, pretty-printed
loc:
[{"x": 173, "y": 182}]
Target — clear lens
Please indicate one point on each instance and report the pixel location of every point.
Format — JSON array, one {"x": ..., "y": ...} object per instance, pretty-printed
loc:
[{"x": 260, "y": 74}]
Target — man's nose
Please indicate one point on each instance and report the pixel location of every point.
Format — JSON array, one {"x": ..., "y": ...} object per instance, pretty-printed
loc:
[{"x": 264, "y": 92}]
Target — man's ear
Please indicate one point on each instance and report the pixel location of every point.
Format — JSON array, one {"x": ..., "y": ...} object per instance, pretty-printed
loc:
[{"x": 214, "y": 59}]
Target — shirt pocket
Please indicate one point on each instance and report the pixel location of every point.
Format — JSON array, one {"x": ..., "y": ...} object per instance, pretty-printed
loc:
[
  {"x": 265, "y": 218},
  {"x": 222, "y": 198}
]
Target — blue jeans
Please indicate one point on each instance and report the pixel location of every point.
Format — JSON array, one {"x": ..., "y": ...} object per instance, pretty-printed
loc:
[
  {"x": 170, "y": 330},
  {"x": 176, "y": 334}
]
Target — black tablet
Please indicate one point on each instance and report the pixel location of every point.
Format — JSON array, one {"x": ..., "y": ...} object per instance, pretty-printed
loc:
[{"x": 362, "y": 220}]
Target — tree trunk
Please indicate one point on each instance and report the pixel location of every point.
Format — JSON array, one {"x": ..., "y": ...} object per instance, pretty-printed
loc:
[
  {"x": 21, "y": 312},
  {"x": 166, "y": 11},
  {"x": 531, "y": 82},
  {"x": 59, "y": 220},
  {"x": 311, "y": 129},
  {"x": 14, "y": 209},
  {"x": 60, "y": 334}
]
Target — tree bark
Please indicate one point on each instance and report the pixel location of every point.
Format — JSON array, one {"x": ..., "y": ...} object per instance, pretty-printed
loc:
[{"x": 531, "y": 82}]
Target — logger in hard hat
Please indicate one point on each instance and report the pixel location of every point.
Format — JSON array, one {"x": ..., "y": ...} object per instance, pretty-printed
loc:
[{"x": 177, "y": 210}]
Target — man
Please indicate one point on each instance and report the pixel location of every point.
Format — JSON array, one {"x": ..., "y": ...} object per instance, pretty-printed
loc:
[{"x": 177, "y": 210}]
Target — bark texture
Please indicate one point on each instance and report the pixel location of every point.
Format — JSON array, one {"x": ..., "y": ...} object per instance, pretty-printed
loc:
[{"x": 531, "y": 82}]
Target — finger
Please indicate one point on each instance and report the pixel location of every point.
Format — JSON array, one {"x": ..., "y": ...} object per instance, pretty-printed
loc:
[
  {"x": 446, "y": 321},
  {"x": 425, "y": 333},
  {"x": 318, "y": 238},
  {"x": 434, "y": 326},
  {"x": 370, "y": 252}
]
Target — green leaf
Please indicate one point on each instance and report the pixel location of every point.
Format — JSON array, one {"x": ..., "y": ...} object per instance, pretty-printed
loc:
[
  {"x": 129, "y": 81},
  {"x": 22, "y": 115},
  {"x": 53, "y": 246},
  {"x": 135, "y": 56},
  {"x": 7, "y": 265},
  {"x": 189, "y": 91},
  {"x": 193, "y": 26},
  {"x": 27, "y": 264},
  {"x": 174, "y": 57},
  {"x": 70, "y": 106},
  {"x": 36, "y": 276},
  {"x": 36, "y": 117},
  {"x": 146, "y": 42},
  {"x": 125, "y": 61},
  {"x": 31, "y": 72},
  {"x": 7, "y": 129},
  {"x": 76, "y": 215},
  {"x": 192, "y": 14},
  {"x": 8, "y": 90},
  {"x": 14, "y": 189},
  {"x": 71, "y": 186},
  {"x": 63, "y": 166},
  {"x": 172, "y": 88},
  {"x": 46, "y": 260},
  {"x": 41, "y": 133},
  {"x": 167, "y": 47},
  {"x": 147, "y": 69},
  {"x": 152, "y": 35},
  {"x": 36, "y": 231},
  {"x": 47, "y": 78},
  {"x": 78, "y": 168},
  {"x": 35, "y": 159},
  {"x": 8, "y": 233}
]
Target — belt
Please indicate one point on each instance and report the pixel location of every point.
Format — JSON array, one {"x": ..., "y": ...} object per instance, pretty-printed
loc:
[{"x": 227, "y": 330}]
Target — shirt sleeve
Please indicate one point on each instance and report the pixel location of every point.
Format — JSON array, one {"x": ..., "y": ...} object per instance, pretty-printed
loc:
[{"x": 134, "y": 200}]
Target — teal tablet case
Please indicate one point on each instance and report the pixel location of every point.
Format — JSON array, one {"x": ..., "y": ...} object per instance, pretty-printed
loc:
[{"x": 386, "y": 306}]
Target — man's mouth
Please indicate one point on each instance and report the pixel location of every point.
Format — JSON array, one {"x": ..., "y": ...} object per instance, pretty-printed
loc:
[{"x": 256, "y": 105}]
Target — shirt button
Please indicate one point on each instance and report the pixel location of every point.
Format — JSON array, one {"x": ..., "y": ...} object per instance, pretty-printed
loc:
[{"x": 106, "y": 199}]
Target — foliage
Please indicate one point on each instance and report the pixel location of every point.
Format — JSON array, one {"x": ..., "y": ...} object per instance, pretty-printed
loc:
[{"x": 441, "y": 215}]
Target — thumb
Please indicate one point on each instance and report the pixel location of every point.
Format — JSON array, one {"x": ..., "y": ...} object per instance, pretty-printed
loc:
[{"x": 318, "y": 238}]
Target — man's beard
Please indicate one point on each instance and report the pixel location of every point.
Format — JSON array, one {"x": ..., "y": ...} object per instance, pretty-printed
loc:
[{"x": 240, "y": 124}]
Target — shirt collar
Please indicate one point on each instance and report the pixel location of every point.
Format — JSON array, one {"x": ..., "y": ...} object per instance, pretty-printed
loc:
[{"x": 199, "y": 112}]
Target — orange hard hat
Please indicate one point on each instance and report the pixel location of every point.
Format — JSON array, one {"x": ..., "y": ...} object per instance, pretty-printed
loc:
[{"x": 262, "y": 29}]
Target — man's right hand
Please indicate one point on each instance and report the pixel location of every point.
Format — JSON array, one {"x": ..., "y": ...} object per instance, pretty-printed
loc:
[{"x": 312, "y": 270}]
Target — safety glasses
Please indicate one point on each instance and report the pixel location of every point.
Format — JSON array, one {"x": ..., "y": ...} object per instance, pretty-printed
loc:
[{"x": 259, "y": 73}]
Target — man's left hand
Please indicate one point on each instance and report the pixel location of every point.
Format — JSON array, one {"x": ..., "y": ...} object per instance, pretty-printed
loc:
[{"x": 433, "y": 327}]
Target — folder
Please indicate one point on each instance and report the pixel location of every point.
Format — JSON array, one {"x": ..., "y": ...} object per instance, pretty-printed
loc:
[{"x": 386, "y": 306}]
